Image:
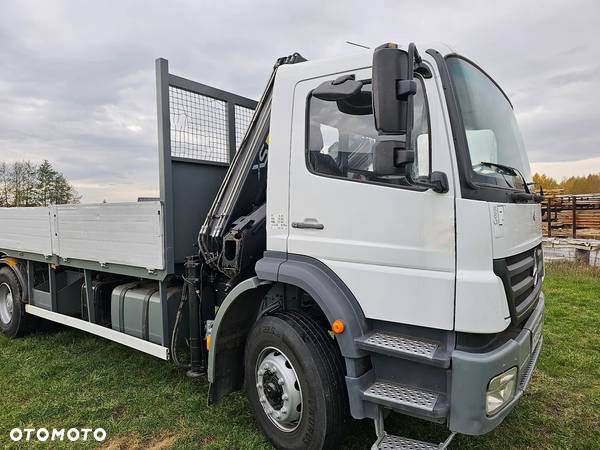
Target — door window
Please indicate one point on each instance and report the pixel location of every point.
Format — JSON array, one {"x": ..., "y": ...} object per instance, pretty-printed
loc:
[{"x": 341, "y": 137}]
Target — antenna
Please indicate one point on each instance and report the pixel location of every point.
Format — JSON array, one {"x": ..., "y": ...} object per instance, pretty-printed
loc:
[{"x": 358, "y": 45}]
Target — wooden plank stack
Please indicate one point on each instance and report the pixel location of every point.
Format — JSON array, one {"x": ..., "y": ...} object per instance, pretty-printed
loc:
[{"x": 585, "y": 207}]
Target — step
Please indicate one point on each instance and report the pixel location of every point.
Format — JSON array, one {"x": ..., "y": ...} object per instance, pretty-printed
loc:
[
  {"x": 391, "y": 442},
  {"x": 416, "y": 349},
  {"x": 408, "y": 399}
]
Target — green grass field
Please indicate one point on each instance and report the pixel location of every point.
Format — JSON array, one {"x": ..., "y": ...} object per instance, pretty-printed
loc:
[{"x": 65, "y": 378}]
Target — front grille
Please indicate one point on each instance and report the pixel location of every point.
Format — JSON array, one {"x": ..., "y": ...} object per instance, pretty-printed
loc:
[{"x": 522, "y": 278}]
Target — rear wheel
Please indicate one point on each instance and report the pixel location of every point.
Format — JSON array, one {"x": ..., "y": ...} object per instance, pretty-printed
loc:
[
  {"x": 12, "y": 311},
  {"x": 295, "y": 382}
]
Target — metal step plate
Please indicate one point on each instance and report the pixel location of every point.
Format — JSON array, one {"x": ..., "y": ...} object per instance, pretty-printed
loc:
[
  {"x": 392, "y": 394},
  {"x": 527, "y": 369},
  {"x": 400, "y": 344},
  {"x": 390, "y": 442}
]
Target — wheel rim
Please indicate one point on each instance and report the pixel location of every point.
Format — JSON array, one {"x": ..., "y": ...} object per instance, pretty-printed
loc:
[
  {"x": 6, "y": 303},
  {"x": 279, "y": 390}
]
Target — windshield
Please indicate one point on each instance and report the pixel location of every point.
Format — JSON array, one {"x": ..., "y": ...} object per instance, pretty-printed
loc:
[{"x": 493, "y": 136}]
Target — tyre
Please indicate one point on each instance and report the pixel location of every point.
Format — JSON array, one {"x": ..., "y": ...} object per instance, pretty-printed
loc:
[
  {"x": 294, "y": 376},
  {"x": 12, "y": 310}
]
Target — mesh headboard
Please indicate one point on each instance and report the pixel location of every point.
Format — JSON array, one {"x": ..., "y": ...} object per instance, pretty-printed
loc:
[{"x": 199, "y": 130}]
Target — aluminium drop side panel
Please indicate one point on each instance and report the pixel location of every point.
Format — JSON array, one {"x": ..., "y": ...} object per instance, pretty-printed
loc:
[
  {"x": 26, "y": 230},
  {"x": 121, "y": 233}
]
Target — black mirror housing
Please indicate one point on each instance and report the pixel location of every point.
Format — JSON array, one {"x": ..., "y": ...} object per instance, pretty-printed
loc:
[
  {"x": 391, "y": 158},
  {"x": 393, "y": 88},
  {"x": 393, "y": 91}
]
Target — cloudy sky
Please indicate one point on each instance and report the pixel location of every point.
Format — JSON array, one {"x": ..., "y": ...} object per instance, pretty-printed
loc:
[{"x": 77, "y": 78}]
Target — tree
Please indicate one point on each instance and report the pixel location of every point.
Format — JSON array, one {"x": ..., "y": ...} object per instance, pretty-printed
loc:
[
  {"x": 582, "y": 185},
  {"x": 23, "y": 174},
  {"x": 44, "y": 180},
  {"x": 22, "y": 183},
  {"x": 52, "y": 188},
  {"x": 589, "y": 184},
  {"x": 545, "y": 182},
  {"x": 4, "y": 185}
]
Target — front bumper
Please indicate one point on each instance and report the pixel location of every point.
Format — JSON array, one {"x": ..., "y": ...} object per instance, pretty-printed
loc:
[{"x": 471, "y": 373}]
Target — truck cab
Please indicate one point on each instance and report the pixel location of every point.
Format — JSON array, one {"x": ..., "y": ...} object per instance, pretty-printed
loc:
[{"x": 445, "y": 309}]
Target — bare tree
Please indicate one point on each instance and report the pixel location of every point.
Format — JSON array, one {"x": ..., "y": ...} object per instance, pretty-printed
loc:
[
  {"x": 22, "y": 183},
  {"x": 4, "y": 184}
]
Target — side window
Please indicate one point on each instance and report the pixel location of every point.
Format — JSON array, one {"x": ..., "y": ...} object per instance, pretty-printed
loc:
[{"x": 341, "y": 136}]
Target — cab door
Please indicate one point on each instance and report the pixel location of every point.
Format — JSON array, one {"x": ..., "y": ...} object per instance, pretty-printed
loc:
[{"x": 391, "y": 244}]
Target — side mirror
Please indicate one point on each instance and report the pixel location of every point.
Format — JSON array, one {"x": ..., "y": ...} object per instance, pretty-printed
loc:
[
  {"x": 393, "y": 88},
  {"x": 393, "y": 91}
]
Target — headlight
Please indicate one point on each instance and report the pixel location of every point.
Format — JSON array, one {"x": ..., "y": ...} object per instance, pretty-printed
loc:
[{"x": 501, "y": 390}]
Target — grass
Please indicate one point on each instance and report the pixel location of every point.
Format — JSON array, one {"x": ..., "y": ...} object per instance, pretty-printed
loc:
[{"x": 65, "y": 379}]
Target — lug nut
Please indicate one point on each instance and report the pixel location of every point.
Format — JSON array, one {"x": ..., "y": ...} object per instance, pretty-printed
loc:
[
  {"x": 285, "y": 397},
  {"x": 281, "y": 381}
]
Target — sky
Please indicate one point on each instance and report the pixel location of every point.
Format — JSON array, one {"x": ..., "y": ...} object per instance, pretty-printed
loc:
[{"x": 77, "y": 78}]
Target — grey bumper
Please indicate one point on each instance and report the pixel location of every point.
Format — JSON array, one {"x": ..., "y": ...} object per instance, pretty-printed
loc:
[{"x": 471, "y": 373}]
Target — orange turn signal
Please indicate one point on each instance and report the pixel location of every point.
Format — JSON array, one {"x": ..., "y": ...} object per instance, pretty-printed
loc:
[{"x": 337, "y": 327}]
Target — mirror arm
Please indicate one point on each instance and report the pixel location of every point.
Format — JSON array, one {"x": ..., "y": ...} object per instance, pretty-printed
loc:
[
  {"x": 438, "y": 182},
  {"x": 405, "y": 88}
]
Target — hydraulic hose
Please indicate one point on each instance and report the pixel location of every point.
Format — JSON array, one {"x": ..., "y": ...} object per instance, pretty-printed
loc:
[{"x": 175, "y": 334}]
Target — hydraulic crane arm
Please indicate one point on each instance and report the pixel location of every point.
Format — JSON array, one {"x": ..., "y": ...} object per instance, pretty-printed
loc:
[{"x": 242, "y": 194}]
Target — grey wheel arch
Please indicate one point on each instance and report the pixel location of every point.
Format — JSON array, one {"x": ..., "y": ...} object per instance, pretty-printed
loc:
[
  {"x": 331, "y": 294},
  {"x": 232, "y": 323},
  {"x": 13, "y": 264},
  {"x": 240, "y": 308}
]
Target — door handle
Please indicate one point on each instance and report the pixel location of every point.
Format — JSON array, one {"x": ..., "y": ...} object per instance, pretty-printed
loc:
[{"x": 308, "y": 225}]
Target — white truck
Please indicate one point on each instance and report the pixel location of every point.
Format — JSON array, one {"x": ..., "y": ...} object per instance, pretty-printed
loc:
[{"x": 361, "y": 240}]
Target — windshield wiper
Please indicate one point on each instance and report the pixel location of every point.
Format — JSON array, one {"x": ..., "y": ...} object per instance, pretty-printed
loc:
[
  {"x": 516, "y": 196},
  {"x": 511, "y": 170}
]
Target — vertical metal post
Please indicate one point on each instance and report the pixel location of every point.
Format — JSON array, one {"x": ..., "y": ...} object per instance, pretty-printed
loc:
[
  {"x": 52, "y": 287},
  {"x": 89, "y": 296},
  {"x": 192, "y": 279},
  {"x": 164, "y": 160},
  {"x": 574, "y": 217},
  {"x": 549, "y": 214},
  {"x": 231, "y": 129},
  {"x": 164, "y": 307},
  {"x": 30, "y": 280}
]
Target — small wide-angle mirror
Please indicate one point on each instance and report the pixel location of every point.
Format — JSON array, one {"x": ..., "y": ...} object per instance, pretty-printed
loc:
[
  {"x": 357, "y": 105},
  {"x": 339, "y": 89}
]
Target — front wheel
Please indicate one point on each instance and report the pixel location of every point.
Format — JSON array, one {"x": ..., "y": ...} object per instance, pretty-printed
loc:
[{"x": 294, "y": 378}]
